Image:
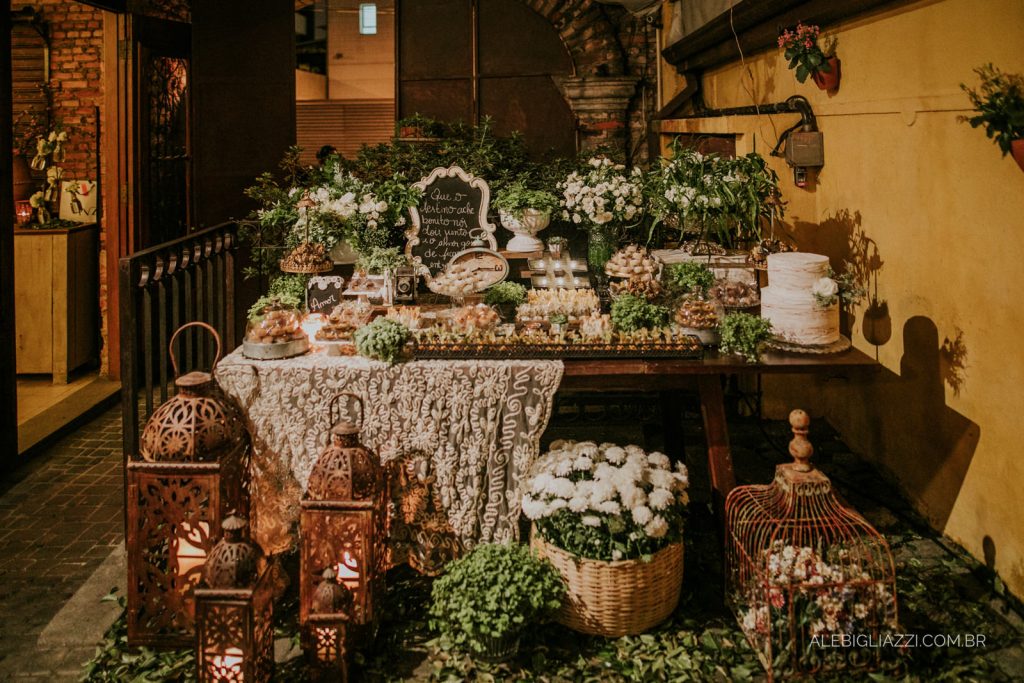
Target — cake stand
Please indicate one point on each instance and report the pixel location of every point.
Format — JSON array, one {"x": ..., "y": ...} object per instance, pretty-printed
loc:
[{"x": 838, "y": 346}]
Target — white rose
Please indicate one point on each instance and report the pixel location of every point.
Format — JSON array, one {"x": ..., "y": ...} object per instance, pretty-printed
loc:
[{"x": 826, "y": 288}]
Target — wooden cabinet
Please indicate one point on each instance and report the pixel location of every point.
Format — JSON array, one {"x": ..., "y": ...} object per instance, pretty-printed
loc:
[{"x": 56, "y": 302}]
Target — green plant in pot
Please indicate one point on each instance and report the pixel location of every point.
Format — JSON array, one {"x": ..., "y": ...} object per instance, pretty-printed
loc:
[
  {"x": 383, "y": 339},
  {"x": 486, "y": 599},
  {"x": 525, "y": 212},
  {"x": 999, "y": 108},
  {"x": 808, "y": 58},
  {"x": 743, "y": 334},
  {"x": 506, "y": 297}
]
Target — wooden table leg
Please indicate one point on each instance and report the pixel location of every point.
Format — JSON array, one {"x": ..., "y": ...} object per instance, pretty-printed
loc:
[
  {"x": 671, "y": 416},
  {"x": 716, "y": 432}
]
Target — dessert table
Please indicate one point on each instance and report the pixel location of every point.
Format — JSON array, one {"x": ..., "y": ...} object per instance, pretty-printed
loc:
[{"x": 460, "y": 434}]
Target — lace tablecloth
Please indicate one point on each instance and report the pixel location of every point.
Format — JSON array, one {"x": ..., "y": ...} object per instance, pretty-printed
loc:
[{"x": 464, "y": 431}]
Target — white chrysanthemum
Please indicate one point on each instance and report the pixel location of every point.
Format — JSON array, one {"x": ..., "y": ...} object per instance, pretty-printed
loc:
[
  {"x": 563, "y": 467},
  {"x": 633, "y": 449},
  {"x": 533, "y": 509},
  {"x": 601, "y": 492},
  {"x": 660, "y": 498},
  {"x": 590, "y": 520},
  {"x": 657, "y": 527},
  {"x": 559, "y": 445},
  {"x": 615, "y": 455},
  {"x": 587, "y": 448},
  {"x": 610, "y": 507},
  {"x": 541, "y": 482},
  {"x": 659, "y": 460},
  {"x": 633, "y": 496},
  {"x": 642, "y": 515},
  {"x": 582, "y": 464},
  {"x": 578, "y": 503},
  {"x": 605, "y": 472},
  {"x": 556, "y": 504},
  {"x": 616, "y": 555},
  {"x": 661, "y": 479},
  {"x": 562, "y": 488}
]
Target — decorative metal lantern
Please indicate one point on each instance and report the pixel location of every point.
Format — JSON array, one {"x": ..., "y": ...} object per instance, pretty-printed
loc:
[
  {"x": 193, "y": 470},
  {"x": 811, "y": 582},
  {"x": 343, "y": 524},
  {"x": 324, "y": 638},
  {"x": 234, "y": 612}
]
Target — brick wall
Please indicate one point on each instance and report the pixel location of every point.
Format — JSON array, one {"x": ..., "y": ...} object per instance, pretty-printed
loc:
[
  {"x": 639, "y": 43},
  {"x": 76, "y": 78}
]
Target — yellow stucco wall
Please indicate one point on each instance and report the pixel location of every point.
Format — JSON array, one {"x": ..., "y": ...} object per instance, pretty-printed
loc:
[{"x": 938, "y": 218}]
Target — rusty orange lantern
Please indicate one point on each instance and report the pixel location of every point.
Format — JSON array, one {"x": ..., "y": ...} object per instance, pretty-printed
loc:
[
  {"x": 324, "y": 638},
  {"x": 343, "y": 524},
  {"x": 234, "y": 612},
  {"x": 192, "y": 469}
]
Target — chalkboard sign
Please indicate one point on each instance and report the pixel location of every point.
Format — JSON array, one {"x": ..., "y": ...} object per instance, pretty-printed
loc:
[
  {"x": 323, "y": 293},
  {"x": 451, "y": 217}
]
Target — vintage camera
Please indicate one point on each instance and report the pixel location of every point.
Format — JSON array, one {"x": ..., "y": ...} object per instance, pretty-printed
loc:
[{"x": 405, "y": 284}]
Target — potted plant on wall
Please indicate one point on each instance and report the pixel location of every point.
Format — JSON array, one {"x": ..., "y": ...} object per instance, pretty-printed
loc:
[
  {"x": 808, "y": 58},
  {"x": 999, "y": 107}
]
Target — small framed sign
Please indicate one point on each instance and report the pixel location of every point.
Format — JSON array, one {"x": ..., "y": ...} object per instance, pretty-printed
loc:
[
  {"x": 451, "y": 218},
  {"x": 323, "y": 293},
  {"x": 78, "y": 201}
]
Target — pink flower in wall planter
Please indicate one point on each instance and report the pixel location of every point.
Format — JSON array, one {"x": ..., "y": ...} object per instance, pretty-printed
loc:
[{"x": 808, "y": 58}]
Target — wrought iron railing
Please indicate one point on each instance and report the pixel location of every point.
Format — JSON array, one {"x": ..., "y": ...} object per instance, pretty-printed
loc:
[{"x": 160, "y": 289}]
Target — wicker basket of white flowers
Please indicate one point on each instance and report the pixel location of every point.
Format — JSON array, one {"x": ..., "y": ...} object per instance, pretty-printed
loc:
[{"x": 610, "y": 519}]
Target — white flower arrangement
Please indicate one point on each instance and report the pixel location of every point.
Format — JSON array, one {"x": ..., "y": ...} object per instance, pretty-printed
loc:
[
  {"x": 605, "y": 193},
  {"x": 606, "y": 502}
]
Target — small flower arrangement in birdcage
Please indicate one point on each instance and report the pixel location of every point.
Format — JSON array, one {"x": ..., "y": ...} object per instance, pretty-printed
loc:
[
  {"x": 611, "y": 520},
  {"x": 811, "y": 582},
  {"x": 823, "y": 598}
]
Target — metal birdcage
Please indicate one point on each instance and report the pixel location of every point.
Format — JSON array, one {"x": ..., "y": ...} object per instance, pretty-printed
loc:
[
  {"x": 192, "y": 471},
  {"x": 811, "y": 582},
  {"x": 344, "y": 525}
]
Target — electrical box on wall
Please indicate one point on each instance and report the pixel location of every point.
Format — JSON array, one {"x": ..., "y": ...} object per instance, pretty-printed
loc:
[{"x": 806, "y": 148}]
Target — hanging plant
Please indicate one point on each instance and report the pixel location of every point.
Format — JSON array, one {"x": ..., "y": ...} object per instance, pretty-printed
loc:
[
  {"x": 808, "y": 58},
  {"x": 999, "y": 107}
]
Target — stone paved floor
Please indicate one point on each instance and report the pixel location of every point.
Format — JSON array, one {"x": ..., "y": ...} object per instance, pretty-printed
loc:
[{"x": 60, "y": 517}]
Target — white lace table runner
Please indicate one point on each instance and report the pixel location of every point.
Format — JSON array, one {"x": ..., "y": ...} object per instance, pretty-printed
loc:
[{"x": 475, "y": 424}]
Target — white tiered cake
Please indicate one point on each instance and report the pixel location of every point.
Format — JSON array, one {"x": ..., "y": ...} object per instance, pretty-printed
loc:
[{"x": 789, "y": 302}]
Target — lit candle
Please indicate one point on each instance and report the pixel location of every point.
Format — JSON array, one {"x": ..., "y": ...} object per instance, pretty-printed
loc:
[
  {"x": 228, "y": 667},
  {"x": 347, "y": 571},
  {"x": 23, "y": 211},
  {"x": 560, "y": 281},
  {"x": 543, "y": 282},
  {"x": 187, "y": 549}
]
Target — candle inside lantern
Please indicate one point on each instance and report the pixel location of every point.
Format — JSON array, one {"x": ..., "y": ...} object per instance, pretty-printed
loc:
[
  {"x": 23, "y": 211},
  {"x": 326, "y": 643},
  {"x": 187, "y": 549},
  {"x": 347, "y": 571},
  {"x": 228, "y": 667}
]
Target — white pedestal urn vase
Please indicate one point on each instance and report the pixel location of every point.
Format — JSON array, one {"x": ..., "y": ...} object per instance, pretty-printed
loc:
[{"x": 525, "y": 227}]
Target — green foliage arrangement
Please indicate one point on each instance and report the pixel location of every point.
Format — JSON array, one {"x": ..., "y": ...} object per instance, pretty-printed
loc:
[
  {"x": 631, "y": 313},
  {"x": 271, "y": 301},
  {"x": 495, "y": 591},
  {"x": 505, "y": 293},
  {"x": 289, "y": 285},
  {"x": 383, "y": 339},
  {"x": 689, "y": 277},
  {"x": 517, "y": 197},
  {"x": 743, "y": 334},
  {"x": 999, "y": 103},
  {"x": 803, "y": 52},
  {"x": 324, "y": 204},
  {"x": 711, "y": 197},
  {"x": 382, "y": 259}
]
